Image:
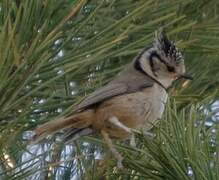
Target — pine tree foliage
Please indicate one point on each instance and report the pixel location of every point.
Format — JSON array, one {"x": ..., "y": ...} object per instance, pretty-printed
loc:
[{"x": 55, "y": 52}]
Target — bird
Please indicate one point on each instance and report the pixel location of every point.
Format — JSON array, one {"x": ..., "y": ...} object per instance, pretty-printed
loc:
[{"x": 134, "y": 99}]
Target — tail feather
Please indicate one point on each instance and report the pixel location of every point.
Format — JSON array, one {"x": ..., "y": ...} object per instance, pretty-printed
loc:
[
  {"x": 80, "y": 120},
  {"x": 74, "y": 134}
]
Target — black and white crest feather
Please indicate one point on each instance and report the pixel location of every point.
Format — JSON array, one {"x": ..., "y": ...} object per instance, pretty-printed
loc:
[{"x": 167, "y": 47}]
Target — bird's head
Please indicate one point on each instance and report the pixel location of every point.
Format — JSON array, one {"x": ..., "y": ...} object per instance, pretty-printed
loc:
[{"x": 163, "y": 61}]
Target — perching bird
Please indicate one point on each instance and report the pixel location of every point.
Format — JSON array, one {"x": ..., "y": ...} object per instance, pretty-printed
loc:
[{"x": 134, "y": 99}]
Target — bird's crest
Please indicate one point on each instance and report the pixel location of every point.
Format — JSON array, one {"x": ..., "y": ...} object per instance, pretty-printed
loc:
[{"x": 167, "y": 47}]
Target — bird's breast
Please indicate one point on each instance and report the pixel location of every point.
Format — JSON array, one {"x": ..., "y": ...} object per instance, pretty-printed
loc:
[
  {"x": 158, "y": 98},
  {"x": 135, "y": 110}
]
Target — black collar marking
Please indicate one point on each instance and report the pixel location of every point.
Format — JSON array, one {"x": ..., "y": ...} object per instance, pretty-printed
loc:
[{"x": 138, "y": 67}]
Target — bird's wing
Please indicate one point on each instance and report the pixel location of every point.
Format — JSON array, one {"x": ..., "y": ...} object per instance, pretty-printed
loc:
[
  {"x": 101, "y": 95},
  {"x": 122, "y": 85}
]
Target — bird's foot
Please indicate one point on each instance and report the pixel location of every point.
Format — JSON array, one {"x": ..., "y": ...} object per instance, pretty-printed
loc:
[
  {"x": 149, "y": 134},
  {"x": 114, "y": 151},
  {"x": 132, "y": 141}
]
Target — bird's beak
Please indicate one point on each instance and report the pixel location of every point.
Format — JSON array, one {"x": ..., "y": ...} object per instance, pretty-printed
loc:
[{"x": 186, "y": 76}]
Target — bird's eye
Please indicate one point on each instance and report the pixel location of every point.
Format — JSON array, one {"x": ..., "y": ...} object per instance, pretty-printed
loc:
[{"x": 170, "y": 69}]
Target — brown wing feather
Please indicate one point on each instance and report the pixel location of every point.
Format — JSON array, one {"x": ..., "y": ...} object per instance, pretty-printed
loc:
[
  {"x": 101, "y": 95},
  {"x": 128, "y": 81}
]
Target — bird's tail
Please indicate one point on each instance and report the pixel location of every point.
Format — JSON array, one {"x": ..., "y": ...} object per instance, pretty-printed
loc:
[{"x": 81, "y": 120}]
